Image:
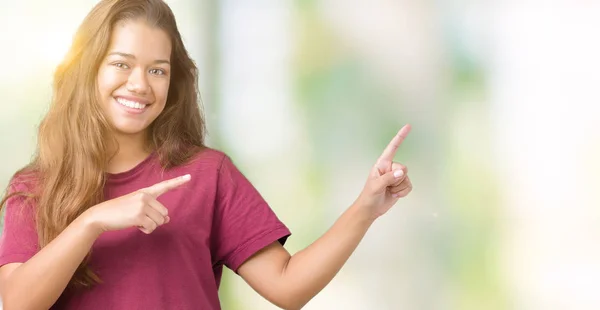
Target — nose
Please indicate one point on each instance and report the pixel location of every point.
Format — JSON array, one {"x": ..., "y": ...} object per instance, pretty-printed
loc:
[{"x": 137, "y": 82}]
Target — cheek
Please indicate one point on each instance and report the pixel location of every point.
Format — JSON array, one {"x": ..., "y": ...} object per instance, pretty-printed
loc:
[
  {"x": 108, "y": 81},
  {"x": 161, "y": 91}
]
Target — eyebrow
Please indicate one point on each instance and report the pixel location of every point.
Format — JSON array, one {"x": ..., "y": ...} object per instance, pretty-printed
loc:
[{"x": 158, "y": 61}]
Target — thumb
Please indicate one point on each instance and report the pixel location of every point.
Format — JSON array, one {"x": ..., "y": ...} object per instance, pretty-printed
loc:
[{"x": 389, "y": 178}]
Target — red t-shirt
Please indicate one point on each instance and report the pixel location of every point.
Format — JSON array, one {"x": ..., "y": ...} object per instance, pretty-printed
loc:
[{"x": 217, "y": 219}]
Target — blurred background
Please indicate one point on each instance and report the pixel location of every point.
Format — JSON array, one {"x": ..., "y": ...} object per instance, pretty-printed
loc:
[{"x": 304, "y": 95}]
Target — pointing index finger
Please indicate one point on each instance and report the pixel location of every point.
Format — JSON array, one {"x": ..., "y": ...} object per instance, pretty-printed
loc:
[
  {"x": 390, "y": 150},
  {"x": 165, "y": 186}
]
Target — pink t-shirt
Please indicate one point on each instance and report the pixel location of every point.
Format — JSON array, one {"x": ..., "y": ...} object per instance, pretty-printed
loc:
[{"x": 217, "y": 219}]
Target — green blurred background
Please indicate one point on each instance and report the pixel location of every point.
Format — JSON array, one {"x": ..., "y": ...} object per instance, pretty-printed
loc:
[{"x": 305, "y": 94}]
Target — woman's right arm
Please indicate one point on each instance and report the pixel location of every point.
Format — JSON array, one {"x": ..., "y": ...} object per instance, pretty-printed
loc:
[{"x": 39, "y": 282}]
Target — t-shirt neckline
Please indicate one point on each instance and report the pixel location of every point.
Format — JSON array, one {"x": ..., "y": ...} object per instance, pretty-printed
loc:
[{"x": 125, "y": 174}]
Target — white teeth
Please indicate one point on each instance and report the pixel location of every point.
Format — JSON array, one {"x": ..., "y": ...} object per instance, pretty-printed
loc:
[{"x": 131, "y": 104}]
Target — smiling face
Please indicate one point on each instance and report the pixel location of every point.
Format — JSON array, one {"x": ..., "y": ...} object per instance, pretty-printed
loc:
[{"x": 133, "y": 79}]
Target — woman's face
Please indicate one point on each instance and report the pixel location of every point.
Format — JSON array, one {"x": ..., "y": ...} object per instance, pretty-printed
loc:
[{"x": 133, "y": 79}]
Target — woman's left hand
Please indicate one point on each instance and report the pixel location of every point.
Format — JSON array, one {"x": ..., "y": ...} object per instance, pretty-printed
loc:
[{"x": 388, "y": 180}]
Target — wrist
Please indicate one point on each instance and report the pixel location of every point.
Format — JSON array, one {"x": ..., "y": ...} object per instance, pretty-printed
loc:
[
  {"x": 89, "y": 224},
  {"x": 362, "y": 214}
]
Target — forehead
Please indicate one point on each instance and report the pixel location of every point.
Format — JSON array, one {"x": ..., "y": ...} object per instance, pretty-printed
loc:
[{"x": 145, "y": 42}]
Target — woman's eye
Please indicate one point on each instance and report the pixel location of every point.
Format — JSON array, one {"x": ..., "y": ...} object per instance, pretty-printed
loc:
[
  {"x": 157, "y": 71},
  {"x": 121, "y": 65}
]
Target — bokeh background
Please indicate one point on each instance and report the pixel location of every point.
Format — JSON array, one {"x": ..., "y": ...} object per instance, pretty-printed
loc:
[{"x": 305, "y": 94}]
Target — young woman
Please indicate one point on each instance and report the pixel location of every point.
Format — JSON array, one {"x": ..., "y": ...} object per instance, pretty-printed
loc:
[{"x": 124, "y": 207}]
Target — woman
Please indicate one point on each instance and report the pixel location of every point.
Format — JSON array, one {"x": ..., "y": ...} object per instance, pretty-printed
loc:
[{"x": 120, "y": 151}]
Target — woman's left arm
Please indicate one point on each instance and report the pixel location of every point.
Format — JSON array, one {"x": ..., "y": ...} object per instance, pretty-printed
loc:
[{"x": 291, "y": 281}]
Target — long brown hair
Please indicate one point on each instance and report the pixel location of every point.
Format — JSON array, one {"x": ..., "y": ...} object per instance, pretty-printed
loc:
[{"x": 75, "y": 137}]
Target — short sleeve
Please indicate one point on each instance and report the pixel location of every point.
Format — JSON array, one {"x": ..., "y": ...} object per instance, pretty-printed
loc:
[
  {"x": 19, "y": 241},
  {"x": 243, "y": 221}
]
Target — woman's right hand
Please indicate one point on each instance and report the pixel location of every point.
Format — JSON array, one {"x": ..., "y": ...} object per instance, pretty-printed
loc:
[{"x": 138, "y": 209}]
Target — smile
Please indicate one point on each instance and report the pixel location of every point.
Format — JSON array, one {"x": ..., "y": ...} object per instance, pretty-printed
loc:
[{"x": 131, "y": 104}]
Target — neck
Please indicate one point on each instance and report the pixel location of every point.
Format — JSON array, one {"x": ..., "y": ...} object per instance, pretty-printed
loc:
[{"x": 133, "y": 149}]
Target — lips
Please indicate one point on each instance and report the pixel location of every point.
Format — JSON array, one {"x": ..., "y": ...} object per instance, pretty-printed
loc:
[{"x": 133, "y": 104}]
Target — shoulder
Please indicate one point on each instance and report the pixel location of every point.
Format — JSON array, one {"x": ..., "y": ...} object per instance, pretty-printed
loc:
[
  {"x": 21, "y": 193},
  {"x": 205, "y": 166},
  {"x": 209, "y": 158},
  {"x": 25, "y": 181}
]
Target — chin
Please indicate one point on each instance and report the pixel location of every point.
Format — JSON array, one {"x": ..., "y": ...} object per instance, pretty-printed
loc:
[
  {"x": 129, "y": 132},
  {"x": 130, "y": 129}
]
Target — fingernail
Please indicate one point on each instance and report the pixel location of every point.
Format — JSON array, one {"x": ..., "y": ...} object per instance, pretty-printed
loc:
[
  {"x": 186, "y": 177},
  {"x": 396, "y": 195},
  {"x": 398, "y": 173}
]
